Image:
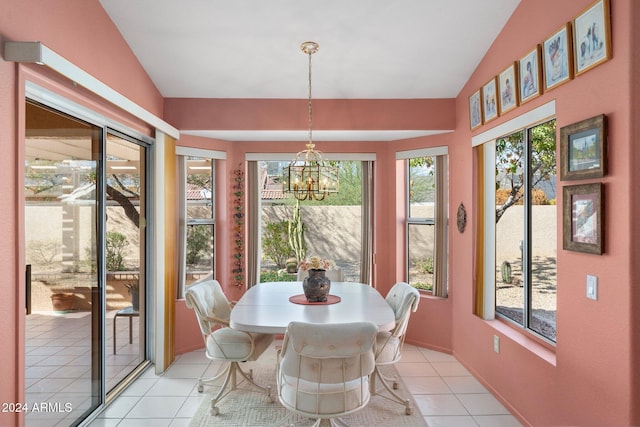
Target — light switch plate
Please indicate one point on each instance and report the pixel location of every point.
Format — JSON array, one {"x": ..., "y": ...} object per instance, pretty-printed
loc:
[{"x": 592, "y": 287}]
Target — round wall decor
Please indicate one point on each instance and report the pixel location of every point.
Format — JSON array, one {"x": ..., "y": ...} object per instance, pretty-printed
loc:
[{"x": 462, "y": 218}]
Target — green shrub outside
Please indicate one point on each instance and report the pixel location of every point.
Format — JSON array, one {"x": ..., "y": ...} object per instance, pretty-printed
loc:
[
  {"x": 275, "y": 243},
  {"x": 276, "y": 276},
  {"x": 116, "y": 242}
]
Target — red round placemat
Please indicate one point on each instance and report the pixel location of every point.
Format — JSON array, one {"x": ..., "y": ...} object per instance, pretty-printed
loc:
[{"x": 301, "y": 299}]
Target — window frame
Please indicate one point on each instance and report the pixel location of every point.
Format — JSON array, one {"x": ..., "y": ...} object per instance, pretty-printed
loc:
[
  {"x": 368, "y": 161},
  {"x": 486, "y": 274},
  {"x": 439, "y": 219},
  {"x": 184, "y": 155}
]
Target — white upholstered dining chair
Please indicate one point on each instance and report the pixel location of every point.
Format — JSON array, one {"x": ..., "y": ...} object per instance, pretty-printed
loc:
[
  {"x": 223, "y": 343},
  {"x": 403, "y": 299},
  {"x": 323, "y": 369}
]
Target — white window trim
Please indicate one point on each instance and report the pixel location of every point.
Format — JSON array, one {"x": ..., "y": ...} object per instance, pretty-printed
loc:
[
  {"x": 285, "y": 157},
  {"x": 36, "y": 52},
  {"x": 199, "y": 152},
  {"x": 538, "y": 115},
  {"x": 442, "y": 262},
  {"x": 422, "y": 152}
]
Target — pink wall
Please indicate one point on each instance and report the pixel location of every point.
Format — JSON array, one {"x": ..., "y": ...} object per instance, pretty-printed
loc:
[
  {"x": 10, "y": 336},
  {"x": 573, "y": 383},
  {"x": 591, "y": 377},
  {"x": 80, "y": 31},
  {"x": 588, "y": 381},
  {"x": 387, "y": 226},
  {"x": 329, "y": 114},
  {"x": 634, "y": 254}
]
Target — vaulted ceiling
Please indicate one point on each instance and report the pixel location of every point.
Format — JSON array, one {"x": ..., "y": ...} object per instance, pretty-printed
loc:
[{"x": 369, "y": 49}]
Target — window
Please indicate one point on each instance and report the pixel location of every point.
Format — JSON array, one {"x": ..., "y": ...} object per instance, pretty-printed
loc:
[
  {"x": 197, "y": 218},
  {"x": 426, "y": 233},
  {"x": 336, "y": 228},
  {"x": 525, "y": 228}
]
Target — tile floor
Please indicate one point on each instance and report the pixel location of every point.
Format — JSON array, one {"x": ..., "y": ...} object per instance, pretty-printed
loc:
[
  {"x": 446, "y": 394},
  {"x": 58, "y": 363}
]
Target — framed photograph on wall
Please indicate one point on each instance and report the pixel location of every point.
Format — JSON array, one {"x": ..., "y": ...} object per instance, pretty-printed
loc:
[
  {"x": 508, "y": 89},
  {"x": 475, "y": 110},
  {"x": 530, "y": 75},
  {"x": 557, "y": 58},
  {"x": 582, "y": 221},
  {"x": 490, "y": 100},
  {"x": 583, "y": 149},
  {"x": 592, "y": 36}
]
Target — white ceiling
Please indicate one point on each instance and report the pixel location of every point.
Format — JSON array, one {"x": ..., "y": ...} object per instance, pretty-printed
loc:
[{"x": 376, "y": 49}]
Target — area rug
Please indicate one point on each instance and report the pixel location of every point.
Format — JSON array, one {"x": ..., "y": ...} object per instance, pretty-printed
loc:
[{"x": 244, "y": 407}]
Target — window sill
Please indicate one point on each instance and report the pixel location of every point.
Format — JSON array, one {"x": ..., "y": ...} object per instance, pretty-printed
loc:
[
  {"x": 429, "y": 295},
  {"x": 529, "y": 343}
]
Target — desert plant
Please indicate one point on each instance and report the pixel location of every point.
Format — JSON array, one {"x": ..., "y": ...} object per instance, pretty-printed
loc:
[
  {"x": 425, "y": 266},
  {"x": 295, "y": 231},
  {"x": 505, "y": 271},
  {"x": 423, "y": 286},
  {"x": 291, "y": 265},
  {"x": 275, "y": 243},
  {"x": 43, "y": 252},
  {"x": 115, "y": 243}
]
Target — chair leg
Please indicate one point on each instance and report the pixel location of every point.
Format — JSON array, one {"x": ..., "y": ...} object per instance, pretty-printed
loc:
[
  {"x": 211, "y": 381},
  {"x": 249, "y": 377},
  {"x": 230, "y": 384},
  {"x": 395, "y": 397}
]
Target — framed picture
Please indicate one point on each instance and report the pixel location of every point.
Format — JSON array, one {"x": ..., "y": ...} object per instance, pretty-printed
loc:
[
  {"x": 583, "y": 149},
  {"x": 490, "y": 100},
  {"x": 475, "y": 110},
  {"x": 508, "y": 89},
  {"x": 582, "y": 208},
  {"x": 530, "y": 75},
  {"x": 592, "y": 36},
  {"x": 557, "y": 58}
]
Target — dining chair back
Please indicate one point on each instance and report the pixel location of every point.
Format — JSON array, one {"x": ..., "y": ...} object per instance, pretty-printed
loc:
[
  {"x": 222, "y": 343},
  {"x": 324, "y": 369},
  {"x": 335, "y": 275},
  {"x": 403, "y": 300}
]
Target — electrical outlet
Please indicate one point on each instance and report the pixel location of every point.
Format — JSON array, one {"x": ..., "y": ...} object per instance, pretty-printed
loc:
[
  {"x": 592, "y": 287},
  {"x": 496, "y": 344}
]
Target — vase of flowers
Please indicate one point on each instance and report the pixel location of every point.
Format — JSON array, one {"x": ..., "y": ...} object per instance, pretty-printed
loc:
[{"x": 316, "y": 285}]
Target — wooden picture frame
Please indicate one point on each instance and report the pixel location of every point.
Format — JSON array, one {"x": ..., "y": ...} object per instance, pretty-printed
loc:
[
  {"x": 582, "y": 218},
  {"x": 490, "y": 100},
  {"x": 475, "y": 110},
  {"x": 530, "y": 75},
  {"x": 592, "y": 36},
  {"x": 583, "y": 149},
  {"x": 508, "y": 88},
  {"x": 557, "y": 58}
]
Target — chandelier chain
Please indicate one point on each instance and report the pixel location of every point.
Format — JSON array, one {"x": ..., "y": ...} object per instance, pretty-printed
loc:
[
  {"x": 309, "y": 106},
  {"x": 307, "y": 177}
]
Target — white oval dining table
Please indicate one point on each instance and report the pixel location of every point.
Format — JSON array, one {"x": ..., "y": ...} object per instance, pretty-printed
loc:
[{"x": 266, "y": 308}]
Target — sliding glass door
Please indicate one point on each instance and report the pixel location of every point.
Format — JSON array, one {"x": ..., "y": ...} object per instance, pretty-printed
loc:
[
  {"x": 84, "y": 217},
  {"x": 125, "y": 256},
  {"x": 62, "y": 224}
]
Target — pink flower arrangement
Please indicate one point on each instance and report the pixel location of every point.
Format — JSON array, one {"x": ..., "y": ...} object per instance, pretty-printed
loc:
[{"x": 315, "y": 263}]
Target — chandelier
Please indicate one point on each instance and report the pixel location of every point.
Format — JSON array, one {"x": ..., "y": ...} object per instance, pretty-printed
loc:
[{"x": 308, "y": 177}]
